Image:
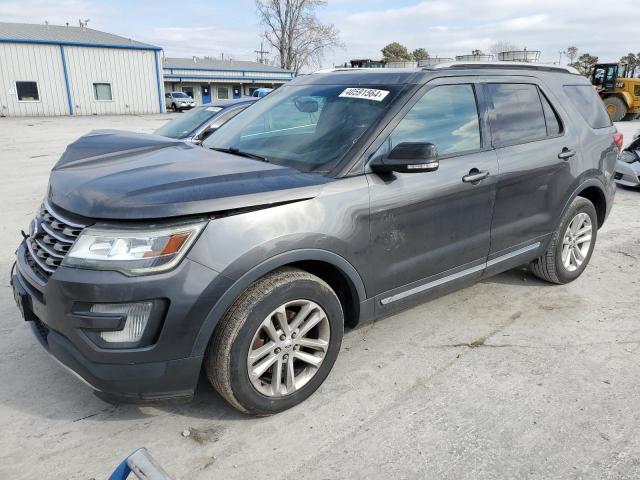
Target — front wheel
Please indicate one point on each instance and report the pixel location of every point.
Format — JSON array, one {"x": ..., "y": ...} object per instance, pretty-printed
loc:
[
  {"x": 277, "y": 343},
  {"x": 571, "y": 245},
  {"x": 616, "y": 108}
]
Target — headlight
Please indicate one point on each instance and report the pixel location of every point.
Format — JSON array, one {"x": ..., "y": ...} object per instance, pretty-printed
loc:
[{"x": 134, "y": 251}]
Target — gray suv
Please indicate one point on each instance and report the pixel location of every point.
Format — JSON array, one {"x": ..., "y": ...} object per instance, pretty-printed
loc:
[{"x": 339, "y": 198}]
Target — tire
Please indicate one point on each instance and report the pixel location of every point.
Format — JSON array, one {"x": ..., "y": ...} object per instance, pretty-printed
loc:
[
  {"x": 616, "y": 108},
  {"x": 550, "y": 266},
  {"x": 174, "y": 107},
  {"x": 630, "y": 116},
  {"x": 241, "y": 332}
]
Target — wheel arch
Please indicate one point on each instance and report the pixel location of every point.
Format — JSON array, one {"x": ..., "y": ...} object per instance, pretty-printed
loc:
[
  {"x": 593, "y": 190},
  {"x": 330, "y": 267}
]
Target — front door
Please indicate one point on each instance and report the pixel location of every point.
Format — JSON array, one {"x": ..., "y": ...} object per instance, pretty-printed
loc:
[
  {"x": 237, "y": 91},
  {"x": 536, "y": 154},
  {"x": 433, "y": 228},
  {"x": 206, "y": 94}
]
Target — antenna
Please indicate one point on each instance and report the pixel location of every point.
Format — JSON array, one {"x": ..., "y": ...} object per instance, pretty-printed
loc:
[{"x": 261, "y": 53}]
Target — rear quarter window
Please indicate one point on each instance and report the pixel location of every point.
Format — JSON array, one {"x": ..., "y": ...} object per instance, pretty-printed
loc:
[{"x": 585, "y": 99}]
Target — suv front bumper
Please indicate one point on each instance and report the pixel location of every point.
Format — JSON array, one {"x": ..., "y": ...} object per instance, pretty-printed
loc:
[
  {"x": 628, "y": 174},
  {"x": 167, "y": 369}
]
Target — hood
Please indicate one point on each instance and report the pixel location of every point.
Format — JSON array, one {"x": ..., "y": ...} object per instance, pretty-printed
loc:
[{"x": 110, "y": 174}]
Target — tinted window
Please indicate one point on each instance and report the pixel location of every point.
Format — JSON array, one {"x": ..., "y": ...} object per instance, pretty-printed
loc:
[
  {"x": 27, "y": 91},
  {"x": 554, "y": 126},
  {"x": 517, "y": 114},
  {"x": 588, "y": 103},
  {"x": 446, "y": 116}
]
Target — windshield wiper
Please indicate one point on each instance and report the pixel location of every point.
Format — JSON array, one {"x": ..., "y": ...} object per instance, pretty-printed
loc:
[{"x": 240, "y": 153}]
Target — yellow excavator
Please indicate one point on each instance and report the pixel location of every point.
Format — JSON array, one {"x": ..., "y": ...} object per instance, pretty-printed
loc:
[{"x": 619, "y": 87}]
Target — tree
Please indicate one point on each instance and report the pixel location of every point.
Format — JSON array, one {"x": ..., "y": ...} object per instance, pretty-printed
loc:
[
  {"x": 502, "y": 46},
  {"x": 572, "y": 53},
  {"x": 394, "y": 52},
  {"x": 419, "y": 54},
  {"x": 293, "y": 30},
  {"x": 630, "y": 59},
  {"x": 585, "y": 64}
]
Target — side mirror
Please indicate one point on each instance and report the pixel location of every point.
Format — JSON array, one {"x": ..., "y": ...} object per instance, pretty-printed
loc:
[{"x": 408, "y": 157}]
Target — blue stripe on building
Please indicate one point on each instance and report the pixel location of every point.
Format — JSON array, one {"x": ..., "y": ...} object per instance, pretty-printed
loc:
[{"x": 66, "y": 79}]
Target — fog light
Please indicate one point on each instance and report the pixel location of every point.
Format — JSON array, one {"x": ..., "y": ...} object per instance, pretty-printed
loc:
[{"x": 137, "y": 316}]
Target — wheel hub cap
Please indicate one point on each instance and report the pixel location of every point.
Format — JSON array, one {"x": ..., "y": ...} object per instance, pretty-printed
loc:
[
  {"x": 576, "y": 241},
  {"x": 288, "y": 348}
]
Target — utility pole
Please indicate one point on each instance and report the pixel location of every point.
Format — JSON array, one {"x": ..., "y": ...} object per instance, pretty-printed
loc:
[
  {"x": 561, "y": 52},
  {"x": 260, "y": 53}
]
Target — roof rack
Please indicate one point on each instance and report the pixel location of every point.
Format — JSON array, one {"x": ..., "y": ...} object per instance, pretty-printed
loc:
[{"x": 504, "y": 66}]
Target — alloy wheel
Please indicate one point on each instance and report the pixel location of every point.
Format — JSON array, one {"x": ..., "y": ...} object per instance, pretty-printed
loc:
[
  {"x": 576, "y": 241},
  {"x": 288, "y": 348}
]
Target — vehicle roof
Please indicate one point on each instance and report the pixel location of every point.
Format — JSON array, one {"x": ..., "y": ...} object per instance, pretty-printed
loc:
[
  {"x": 231, "y": 102},
  {"x": 400, "y": 76}
]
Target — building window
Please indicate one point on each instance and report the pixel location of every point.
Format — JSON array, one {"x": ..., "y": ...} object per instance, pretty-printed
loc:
[
  {"x": 27, "y": 91},
  {"x": 102, "y": 92},
  {"x": 188, "y": 91},
  {"x": 223, "y": 93}
]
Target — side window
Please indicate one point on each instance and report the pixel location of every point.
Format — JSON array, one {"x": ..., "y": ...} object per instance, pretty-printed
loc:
[
  {"x": 225, "y": 117},
  {"x": 554, "y": 126},
  {"x": 446, "y": 116},
  {"x": 517, "y": 115},
  {"x": 585, "y": 99},
  {"x": 27, "y": 91}
]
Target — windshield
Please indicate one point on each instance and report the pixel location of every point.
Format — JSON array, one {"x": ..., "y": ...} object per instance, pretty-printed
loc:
[
  {"x": 309, "y": 127},
  {"x": 180, "y": 95},
  {"x": 186, "y": 124}
]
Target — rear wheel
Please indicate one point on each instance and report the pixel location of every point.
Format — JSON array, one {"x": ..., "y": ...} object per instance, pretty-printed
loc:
[
  {"x": 277, "y": 343},
  {"x": 616, "y": 108},
  {"x": 571, "y": 245}
]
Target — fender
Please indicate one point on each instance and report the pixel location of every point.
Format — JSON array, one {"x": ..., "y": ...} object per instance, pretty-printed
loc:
[
  {"x": 589, "y": 182},
  {"x": 277, "y": 261}
]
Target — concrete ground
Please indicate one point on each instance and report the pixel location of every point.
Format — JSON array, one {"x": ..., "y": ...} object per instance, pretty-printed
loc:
[{"x": 549, "y": 389}]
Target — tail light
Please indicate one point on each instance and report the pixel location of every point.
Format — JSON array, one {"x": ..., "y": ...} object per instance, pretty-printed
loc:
[{"x": 618, "y": 139}]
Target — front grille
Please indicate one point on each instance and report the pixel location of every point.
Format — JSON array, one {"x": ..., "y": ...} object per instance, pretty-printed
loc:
[{"x": 51, "y": 236}]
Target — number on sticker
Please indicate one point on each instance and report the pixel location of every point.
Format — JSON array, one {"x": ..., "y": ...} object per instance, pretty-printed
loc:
[{"x": 365, "y": 94}]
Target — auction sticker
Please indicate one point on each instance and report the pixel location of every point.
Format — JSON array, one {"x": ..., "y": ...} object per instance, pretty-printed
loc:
[{"x": 365, "y": 94}]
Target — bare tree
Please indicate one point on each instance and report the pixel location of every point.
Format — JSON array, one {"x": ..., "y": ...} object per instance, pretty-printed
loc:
[
  {"x": 572, "y": 53},
  {"x": 293, "y": 30},
  {"x": 502, "y": 46}
]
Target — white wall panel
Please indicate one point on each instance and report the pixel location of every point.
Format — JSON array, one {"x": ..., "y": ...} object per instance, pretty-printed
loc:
[
  {"x": 131, "y": 73},
  {"x": 32, "y": 62}
]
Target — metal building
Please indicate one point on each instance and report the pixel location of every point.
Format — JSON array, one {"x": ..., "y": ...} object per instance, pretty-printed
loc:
[
  {"x": 208, "y": 79},
  {"x": 65, "y": 70}
]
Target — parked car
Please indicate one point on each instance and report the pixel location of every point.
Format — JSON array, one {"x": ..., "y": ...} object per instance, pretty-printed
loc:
[
  {"x": 628, "y": 166},
  {"x": 341, "y": 197},
  {"x": 202, "y": 121},
  {"x": 261, "y": 92},
  {"x": 178, "y": 101}
]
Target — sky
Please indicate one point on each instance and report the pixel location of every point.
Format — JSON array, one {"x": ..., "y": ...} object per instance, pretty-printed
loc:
[{"x": 443, "y": 28}]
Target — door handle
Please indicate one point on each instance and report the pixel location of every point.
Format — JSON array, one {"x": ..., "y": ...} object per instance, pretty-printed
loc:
[
  {"x": 475, "y": 176},
  {"x": 566, "y": 154}
]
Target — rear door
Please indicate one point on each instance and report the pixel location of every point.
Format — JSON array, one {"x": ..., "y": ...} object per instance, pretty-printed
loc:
[
  {"x": 432, "y": 229},
  {"x": 537, "y": 152}
]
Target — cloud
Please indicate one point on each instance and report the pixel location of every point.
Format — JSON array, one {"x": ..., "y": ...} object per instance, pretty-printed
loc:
[{"x": 444, "y": 28}]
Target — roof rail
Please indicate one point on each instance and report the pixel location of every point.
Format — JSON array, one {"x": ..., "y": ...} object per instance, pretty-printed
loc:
[{"x": 504, "y": 66}]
